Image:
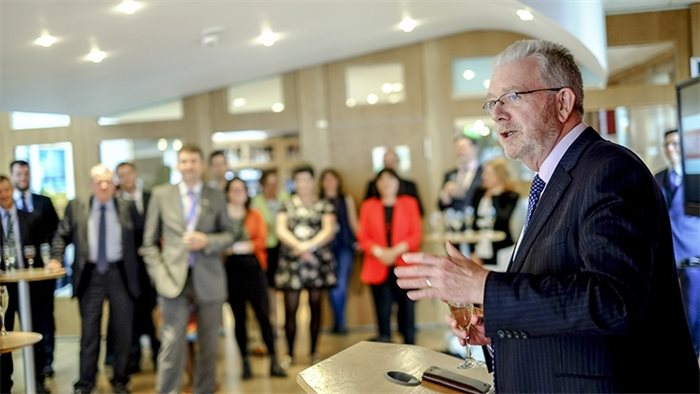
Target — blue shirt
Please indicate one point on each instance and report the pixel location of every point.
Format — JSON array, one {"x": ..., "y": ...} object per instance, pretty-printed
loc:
[
  {"x": 114, "y": 231},
  {"x": 685, "y": 229},
  {"x": 16, "y": 232}
]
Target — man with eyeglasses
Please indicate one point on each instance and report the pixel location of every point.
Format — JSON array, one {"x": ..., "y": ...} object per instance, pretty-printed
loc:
[
  {"x": 590, "y": 301},
  {"x": 686, "y": 233}
]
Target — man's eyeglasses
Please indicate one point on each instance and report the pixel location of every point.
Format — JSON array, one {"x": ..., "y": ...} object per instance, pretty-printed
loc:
[{"x": 513, "y": 98}]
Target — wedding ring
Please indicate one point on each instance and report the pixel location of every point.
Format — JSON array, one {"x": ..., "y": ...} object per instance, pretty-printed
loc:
[{"x": 427, "y": 282}]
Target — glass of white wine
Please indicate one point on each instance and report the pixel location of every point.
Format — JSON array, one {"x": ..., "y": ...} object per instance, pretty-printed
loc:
[{"x": 462, "y": 314}]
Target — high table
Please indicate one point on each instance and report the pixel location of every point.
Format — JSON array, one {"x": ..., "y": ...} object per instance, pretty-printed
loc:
[
  {"x": 17, "y": 339},
  {"x": 361, "y": 369},
  {"x": 22, "y": 277}
]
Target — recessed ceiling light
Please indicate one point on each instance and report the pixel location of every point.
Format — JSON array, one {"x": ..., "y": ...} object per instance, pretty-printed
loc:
[
  {"x": 177, "y": 145},
  {"x": 96, "y": 55},
  {"x": 162, "y": 144},
  {"x": 350, "y": 102},
  {"x": 268, "y": 38},
  {"x": 45, "y": 40},
  {"x": 525, "y": 15},
  {"x": 372, "y": 99},
  {"x": 487, "y": 82},
  {"x": 129, "y": 6},
  {"x": 277, "y": 107},
  {"x": 239, "y": 102},
  {"x": 387, "y": 88},
  {"x": 397, "y": 86},
  {"x": 468, "y": 74},
  {"x": 407, "y": 24},
  {"x": 394, "y": 98}
]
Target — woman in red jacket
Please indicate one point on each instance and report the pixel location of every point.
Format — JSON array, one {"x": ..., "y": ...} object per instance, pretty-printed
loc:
[{"x": 390, "y": 225}]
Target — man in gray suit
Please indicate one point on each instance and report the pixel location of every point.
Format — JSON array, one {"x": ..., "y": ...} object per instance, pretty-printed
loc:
[
  {"x": 187, "y": 227},
  {"x": 105, "y": 267},
  {"x": 592, "y": 284}
]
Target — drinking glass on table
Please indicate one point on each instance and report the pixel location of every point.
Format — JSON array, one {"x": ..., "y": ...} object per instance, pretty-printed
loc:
[
  {"x": 45, "y": 251},
  {"x": 10, "y": 255},
  {"x": 29, "y": 254},
  {"x": 462, "y": 314}
]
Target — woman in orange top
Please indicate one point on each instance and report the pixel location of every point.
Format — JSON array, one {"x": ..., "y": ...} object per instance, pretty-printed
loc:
[
  {"x": 390, "y": 225},
  {"x": 245, "y": 265}
]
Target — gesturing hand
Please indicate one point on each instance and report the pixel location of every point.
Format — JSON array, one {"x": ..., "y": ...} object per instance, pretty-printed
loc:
[{"x": 454, "y": 278}]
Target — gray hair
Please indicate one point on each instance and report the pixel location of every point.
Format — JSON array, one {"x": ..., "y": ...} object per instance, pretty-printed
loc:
[
  {"x": 556, "y": 65},
  {"x": 99, "y": 170}
]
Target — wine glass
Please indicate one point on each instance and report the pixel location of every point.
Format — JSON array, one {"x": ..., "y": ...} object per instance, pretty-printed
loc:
[
  {"x": 4, "y": 301},
  {"x": 454, "y": 220},
  {"x": 10, "y": 254},
  {"x": 462, "y": 314},
  {"x": 45, "y": 252},
  {"x": 469, "y": 217},
  {"x": 29, "y": 254}
]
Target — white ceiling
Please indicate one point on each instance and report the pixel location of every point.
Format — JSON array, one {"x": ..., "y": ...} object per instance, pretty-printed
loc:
[{"x": 156, "y": 55}]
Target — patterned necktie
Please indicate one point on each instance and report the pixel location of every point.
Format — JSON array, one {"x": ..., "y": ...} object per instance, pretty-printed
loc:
[
  {"x": 535, "y": 191},
  {"x": 190, "y": 221},
  {"x": 102, "y": 242},
  {"x": 9, "y": 243}
]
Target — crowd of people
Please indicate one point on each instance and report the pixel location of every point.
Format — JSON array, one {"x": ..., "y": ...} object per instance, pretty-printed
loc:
[{"x": 588, "y": 270}]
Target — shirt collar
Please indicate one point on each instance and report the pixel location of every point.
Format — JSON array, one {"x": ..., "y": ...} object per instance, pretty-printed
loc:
[
  {"x": 12, "y": 210},
  {"x": 96, "y": 204},
  {"x": 550, "y": 163},
  {"x": 184, "y": 189},
  {"x": 17, "y": 194}
]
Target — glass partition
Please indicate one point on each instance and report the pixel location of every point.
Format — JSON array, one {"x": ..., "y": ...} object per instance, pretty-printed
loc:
[
  {"x": 264, "y": 95},
  {"x": 374, "y": 84}
]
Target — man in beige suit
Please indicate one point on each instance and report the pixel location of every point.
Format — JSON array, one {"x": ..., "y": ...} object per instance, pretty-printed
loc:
[{"x": 187, "y": 227}]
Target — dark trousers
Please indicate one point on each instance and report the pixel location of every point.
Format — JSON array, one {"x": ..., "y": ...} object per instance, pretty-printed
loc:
[
  {"x": 48, "y": 325},
  {"x": 38, "y": 310},
  {"x": 384, "y": 296},
  {"x": 690, "y": 289},
  {"x": 110, "y": 286},
  {"x": 338, "y": 295},
  {"x": 247, "y": 283}
]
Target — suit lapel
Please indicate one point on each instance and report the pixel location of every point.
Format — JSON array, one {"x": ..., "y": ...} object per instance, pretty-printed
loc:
[{"x": 551, "y": 196}]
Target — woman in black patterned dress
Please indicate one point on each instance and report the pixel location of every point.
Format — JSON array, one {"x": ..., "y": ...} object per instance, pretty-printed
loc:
[{"x": 305, "y": 228}]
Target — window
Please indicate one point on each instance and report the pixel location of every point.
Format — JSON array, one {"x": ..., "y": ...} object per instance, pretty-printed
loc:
[
  {"x": 166, "y": 111},
  {"x": 264, "y": 95},
  {"x": 376, "y": 84},
  {"x": 51, "y": 170},
  {"x": 36, "y": 120}
]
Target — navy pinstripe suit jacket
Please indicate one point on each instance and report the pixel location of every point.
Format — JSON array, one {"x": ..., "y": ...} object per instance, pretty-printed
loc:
[{"x": 591, "y": 301}]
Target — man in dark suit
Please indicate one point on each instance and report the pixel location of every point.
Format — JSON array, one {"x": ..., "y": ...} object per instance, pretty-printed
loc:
[
  {"x": 129, "y": 189},
  {"x": 590, "y": 301},
  {"x": 460, "y": 183},
  {"x": 19, "y": 229},
  {"x": 406, "y": 186},
  {"x": 105, "y": 267},
  {"x": 686, "y": 233},
  {"x": 41, "y": 207}
]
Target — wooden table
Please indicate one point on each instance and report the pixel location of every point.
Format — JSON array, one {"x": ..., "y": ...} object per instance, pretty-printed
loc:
[
  {"x": 30, "y": 275},
  {"x": 22, "y": 276},
  {"x": 17, "y": 339},
  {"x": 361, "y": 368}
]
